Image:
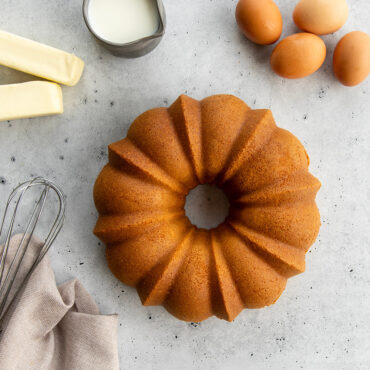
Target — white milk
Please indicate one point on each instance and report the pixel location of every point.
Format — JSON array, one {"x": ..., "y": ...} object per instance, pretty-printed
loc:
[{"x": 122, "y": 21}]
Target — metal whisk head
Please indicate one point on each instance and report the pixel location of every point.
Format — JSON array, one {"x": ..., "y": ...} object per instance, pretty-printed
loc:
[{"x": 25, "y": 208}]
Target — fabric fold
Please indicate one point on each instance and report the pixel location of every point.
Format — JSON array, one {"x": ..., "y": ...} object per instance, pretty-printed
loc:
[{"x": 56, "y": 327}]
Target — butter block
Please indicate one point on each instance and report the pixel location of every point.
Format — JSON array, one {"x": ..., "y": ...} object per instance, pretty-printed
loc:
[
  {"x": 39, "y": 60},
  {"x": 30, "y": 99}
]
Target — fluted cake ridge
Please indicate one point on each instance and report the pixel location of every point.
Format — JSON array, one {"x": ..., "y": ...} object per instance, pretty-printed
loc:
[{"x": 244, "y": 262}]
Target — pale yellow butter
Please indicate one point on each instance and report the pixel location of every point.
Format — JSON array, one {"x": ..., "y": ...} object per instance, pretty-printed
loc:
[
  {"x": 30, "y": 99},
  {"x": 39, "y": 60}
]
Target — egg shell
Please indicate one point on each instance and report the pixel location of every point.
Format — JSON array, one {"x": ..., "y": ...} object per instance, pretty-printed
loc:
[
  {"x": 320, "y": 16},
  {"x": 351, "y": 59},
  {"x": 259, "y": 20},
  {"x": 298, "y": 55}
]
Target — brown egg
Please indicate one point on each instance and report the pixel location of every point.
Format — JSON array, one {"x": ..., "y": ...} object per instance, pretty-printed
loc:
[
  {"x": 320, "y": 16},
  {"x": 298, "y": 55},
  {"x": 351, "y": 60},
  {"x": 259, "y": 20}
]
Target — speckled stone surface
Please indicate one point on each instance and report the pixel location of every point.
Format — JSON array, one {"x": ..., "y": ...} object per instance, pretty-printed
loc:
[{"x": 322, "y": 319}]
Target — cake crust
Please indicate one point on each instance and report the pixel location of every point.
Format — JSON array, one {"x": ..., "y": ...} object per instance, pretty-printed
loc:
[{"x": 244, "y": 262}]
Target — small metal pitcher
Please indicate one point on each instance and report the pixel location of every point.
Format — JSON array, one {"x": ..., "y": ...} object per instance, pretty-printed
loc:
[{"x": 135, "y": 48}]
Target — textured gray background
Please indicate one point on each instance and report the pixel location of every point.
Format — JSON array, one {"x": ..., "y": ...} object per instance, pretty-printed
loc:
[{"x": 322, "y": 319}]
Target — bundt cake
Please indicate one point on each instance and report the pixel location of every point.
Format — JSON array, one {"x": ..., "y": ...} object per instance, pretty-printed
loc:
[{"x": 244, "y": 262}]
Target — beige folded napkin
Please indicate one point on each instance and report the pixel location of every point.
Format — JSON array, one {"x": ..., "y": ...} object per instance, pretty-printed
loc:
[{"x": 56, "y": 327}]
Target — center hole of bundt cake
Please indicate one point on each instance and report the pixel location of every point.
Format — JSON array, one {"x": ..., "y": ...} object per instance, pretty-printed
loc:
[{"x": 207, "y": 206}]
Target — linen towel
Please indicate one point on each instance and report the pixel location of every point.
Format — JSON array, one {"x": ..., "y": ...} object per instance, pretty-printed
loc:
[{"x": 54, "y": 327}]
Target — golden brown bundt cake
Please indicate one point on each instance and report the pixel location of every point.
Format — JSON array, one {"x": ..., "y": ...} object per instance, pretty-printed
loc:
[{"x": 244, "y": 262}]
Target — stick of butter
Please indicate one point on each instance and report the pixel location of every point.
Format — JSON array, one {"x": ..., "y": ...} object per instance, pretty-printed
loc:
[
  {"x": 30, "y": 99},
  {"x": 39, "y": 60}
]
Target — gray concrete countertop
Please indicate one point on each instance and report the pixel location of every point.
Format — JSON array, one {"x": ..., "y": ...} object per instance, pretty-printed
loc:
[{"x": 322, "y": 319}]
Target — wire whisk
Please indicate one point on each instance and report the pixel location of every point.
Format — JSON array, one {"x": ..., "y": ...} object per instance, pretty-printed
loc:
[{"x": 16, "y": 208}]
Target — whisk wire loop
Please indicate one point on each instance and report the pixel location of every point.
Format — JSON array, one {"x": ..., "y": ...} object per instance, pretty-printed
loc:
[{"x": 8, "y": 275}]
